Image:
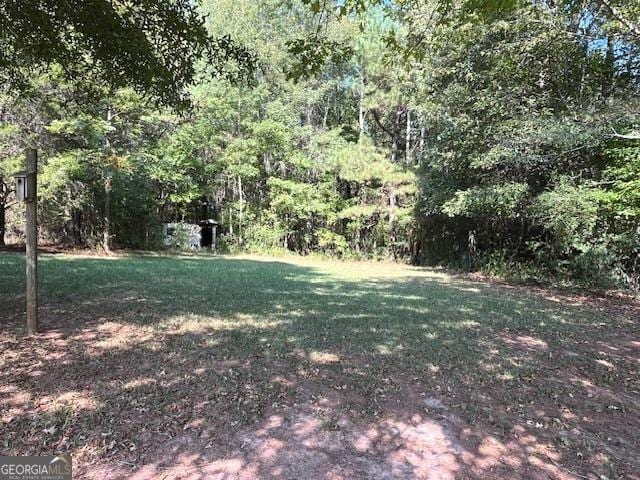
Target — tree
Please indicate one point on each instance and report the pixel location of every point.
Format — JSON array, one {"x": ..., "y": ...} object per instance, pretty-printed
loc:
[
  {"x": 492, "y": 135},
  {"x": 151, "y": 46}
]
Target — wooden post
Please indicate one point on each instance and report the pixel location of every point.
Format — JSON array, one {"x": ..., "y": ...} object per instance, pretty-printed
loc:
[{"x": 32, "y": 242}]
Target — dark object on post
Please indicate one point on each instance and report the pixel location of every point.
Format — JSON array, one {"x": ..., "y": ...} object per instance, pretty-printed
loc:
[
  {"x": 24, "y": 185},
  {"x": 209, "y": 233}
]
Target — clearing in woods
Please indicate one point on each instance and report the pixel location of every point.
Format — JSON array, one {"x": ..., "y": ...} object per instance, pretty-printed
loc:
[{"x": 251, "y": 367}]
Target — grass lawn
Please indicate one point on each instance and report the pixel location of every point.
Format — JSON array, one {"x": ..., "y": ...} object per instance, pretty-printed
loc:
[{"x": 247, "y": 367}]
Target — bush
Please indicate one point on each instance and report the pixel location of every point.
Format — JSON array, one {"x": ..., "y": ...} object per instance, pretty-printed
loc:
[
  {"x": 332, "y": 243},
  {"x": 262, "y": 237},
  {"x": 501, "y": 264}
]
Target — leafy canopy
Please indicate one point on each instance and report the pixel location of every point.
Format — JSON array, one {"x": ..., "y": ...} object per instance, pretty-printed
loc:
[{"x": 150, "y": 45}]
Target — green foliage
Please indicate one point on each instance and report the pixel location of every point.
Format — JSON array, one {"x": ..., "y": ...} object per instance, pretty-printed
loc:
[
  {"x": 149, "y": 45},
  {"x": 179, "y": 240},
  {"x": 520, "y": 116},
  {"x": 623, "y": 197},
  {"x": 475, "y": 134},
  {"x": 332, "y": 243},
  {"x": 265, "y": 237},
  {"x": 570, "y": 212},
  {"x": 500, "y": 201}
]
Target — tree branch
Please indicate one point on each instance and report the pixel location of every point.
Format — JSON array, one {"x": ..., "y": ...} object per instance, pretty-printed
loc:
[
  {"x": 376, "y": 117},
  {"x": 615, "y": 13},
  {"x": 626, "y": 137},
  {"x": 631, "y": 136}
]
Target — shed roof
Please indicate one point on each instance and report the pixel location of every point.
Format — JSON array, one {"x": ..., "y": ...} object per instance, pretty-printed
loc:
[{"x": 208, "y": 222}]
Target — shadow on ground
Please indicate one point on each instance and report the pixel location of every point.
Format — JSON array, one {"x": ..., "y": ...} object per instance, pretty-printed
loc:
[{"x": 240, "y": 368}]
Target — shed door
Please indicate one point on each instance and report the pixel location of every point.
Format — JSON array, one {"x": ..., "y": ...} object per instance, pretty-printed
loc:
[{"x": 207, "y": 237}]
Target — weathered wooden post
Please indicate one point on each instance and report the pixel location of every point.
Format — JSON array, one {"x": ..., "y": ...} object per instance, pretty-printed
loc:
[
  {"x": 26, "y": 190},
  {"x": 32, "y": 242}
]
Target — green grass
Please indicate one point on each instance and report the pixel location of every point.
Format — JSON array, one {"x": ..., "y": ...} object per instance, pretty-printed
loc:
[
  {"x": 133, "y": 336},
  {"x": 345, "y": 308}
]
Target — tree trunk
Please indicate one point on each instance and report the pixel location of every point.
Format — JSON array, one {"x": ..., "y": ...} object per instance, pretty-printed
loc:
[
  {"x": 473, "y": 250},
  {"x": 76, "y": 222},
  {"x": 4, "y": 191},
  {"x": 392, "y": 222},
  {"x": 610, "y": 59},
  {"x": 238, "y": 117},
  {"x": 309, "y": 115},
  {"x": 106, "y": 232},
  {"x": 396, "y": 135},
  {"x": 521, "y": 235},
  {"x": 421, "y": 147},
  {"x": 108, "y": 186},
  {"x": 285, "y": 241},
  {"x": 407, "y": 140},
  {"x": 361, "y": 111},
  {"x": 240, "y": 197},
  {"x": 2, "y": 223}
]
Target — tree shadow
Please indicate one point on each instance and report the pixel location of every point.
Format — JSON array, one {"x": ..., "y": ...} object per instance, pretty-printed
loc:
[{"x": 223, "y": 368}]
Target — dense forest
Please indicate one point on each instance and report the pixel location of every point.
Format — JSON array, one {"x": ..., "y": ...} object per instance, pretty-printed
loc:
[{"x": 502, "y": 140}]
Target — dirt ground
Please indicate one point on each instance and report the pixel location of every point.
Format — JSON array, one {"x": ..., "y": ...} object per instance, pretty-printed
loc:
[{"x": 133, "y": 396}]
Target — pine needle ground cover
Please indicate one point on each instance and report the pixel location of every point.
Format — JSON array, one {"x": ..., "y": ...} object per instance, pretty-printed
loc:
[{"x": 253, "y": 367}]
